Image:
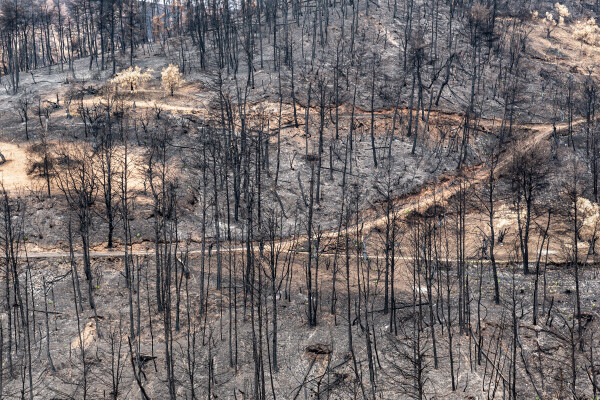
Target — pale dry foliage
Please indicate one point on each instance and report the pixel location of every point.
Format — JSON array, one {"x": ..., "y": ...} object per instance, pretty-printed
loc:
[
  {"x": 131, "y": 78},
  {"x": 590, "y": 217},
  {"x": 562, "y": 11},
  {"x": 587, "y": 32},
  {"x": 171, "y": 78},
  {"x": 549, "y": 18}
]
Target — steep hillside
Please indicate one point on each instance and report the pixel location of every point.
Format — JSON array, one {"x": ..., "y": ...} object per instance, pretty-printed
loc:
[{"x": 284, "y": 199}]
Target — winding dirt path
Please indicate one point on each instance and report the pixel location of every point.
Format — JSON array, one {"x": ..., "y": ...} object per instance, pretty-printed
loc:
[
  {"x": 440, "y": 195},
  {"x": 14, "y": 173}
]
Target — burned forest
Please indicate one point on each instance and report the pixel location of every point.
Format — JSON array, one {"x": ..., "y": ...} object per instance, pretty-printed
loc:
[{"x": 299, "y": 199}]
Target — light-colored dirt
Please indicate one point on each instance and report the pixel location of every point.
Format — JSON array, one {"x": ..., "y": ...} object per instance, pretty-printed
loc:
[
  {"x": 13, "y": 173},
  {"x": 440, "y": 194}
]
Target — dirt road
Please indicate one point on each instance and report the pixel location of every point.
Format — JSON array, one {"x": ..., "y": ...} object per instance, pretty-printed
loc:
[{"x": 13, "y": 173}]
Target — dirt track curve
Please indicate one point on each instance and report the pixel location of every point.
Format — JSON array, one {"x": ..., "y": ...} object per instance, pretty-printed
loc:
[{"x": 404, "y": 205}]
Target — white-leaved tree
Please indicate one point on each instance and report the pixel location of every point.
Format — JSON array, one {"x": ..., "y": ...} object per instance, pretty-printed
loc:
[
  {"x": 131, "y": 78},
  {"x": 562, "y": 11},
  {"x": 587, "y": 32},
  {"x": 171, "y": 78}
]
